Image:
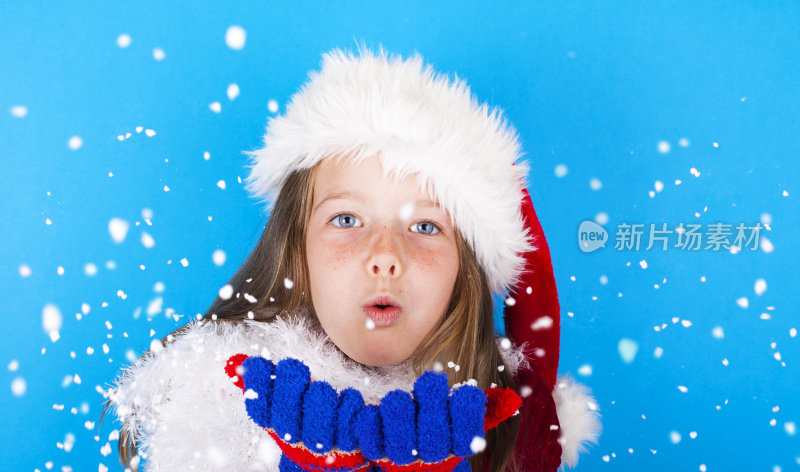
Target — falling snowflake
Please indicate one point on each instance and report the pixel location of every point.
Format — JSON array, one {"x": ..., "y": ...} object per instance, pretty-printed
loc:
[
  {"x": 75, "y": 143},
  {"x": 233, "y": 91},
  {"x": 118, "y": 229},
  {"x": 52, "y": 321},
  {"x": 545, "y": 322},
  {"x": 760, "y": 287},
  {"x": 106, "y": 449},
  {"x": 226, "y": 292},
  {"x": 19, "y": 111},
  {"x": 627, "y": 349},
  {"x": 743, "y": 302},
  {"x": 18, "y": 387},
  {"x": 218, "y": 257},
  {"x": 123, "y": 40},
  {"x": 235, "y": 37},
  {"x": 718, "y": 332},
  {"x": 477, "y": 444}
]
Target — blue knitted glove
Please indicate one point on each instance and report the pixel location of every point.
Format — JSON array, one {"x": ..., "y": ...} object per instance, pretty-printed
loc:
[
  {"x": 431, "y": 429},
  {"x": 310, "y": 421}
]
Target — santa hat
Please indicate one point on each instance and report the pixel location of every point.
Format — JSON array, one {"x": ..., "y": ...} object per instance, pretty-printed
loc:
[{"x": 464, "y": 153}]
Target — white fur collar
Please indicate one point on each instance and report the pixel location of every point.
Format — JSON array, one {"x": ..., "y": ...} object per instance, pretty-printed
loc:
[{"x": 181, "y": 394}]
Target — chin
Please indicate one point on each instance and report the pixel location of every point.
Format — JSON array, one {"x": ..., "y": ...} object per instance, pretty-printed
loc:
[{"x": 384, "y": 360}]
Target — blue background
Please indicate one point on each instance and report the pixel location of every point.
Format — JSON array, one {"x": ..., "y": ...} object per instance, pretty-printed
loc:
[{"x": 591, "y": 85}]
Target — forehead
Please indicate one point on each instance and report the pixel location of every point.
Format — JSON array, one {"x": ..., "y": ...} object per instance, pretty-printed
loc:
[{"x": 366, "y": 179}]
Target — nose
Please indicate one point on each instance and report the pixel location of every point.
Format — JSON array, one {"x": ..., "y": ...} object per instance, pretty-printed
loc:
[{"x": 385, "y": 260}]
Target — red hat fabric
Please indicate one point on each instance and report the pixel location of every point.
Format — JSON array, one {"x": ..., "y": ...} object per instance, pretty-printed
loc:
[{"x": 532, "y": 314}]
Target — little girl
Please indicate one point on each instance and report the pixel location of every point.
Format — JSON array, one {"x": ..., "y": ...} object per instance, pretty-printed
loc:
[{"x": 398, "y": 208}]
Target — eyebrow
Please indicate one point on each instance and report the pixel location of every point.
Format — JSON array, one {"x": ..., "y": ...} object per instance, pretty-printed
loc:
[{"x": 359, "y": 196}]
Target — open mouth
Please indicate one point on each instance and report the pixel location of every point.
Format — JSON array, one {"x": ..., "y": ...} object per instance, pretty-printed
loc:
[
  {"x": 383, "y": 310},
  {"x": 382, "y": 316}
]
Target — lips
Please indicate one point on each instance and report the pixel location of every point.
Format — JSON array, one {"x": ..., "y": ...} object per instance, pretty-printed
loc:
[{"x": 383, "y": 310}]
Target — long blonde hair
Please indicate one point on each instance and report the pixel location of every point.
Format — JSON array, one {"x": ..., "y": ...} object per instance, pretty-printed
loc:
[{"x": 466, "y": 335}]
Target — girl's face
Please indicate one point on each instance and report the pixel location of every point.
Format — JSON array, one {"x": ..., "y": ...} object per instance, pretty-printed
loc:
[{"x": 370, "y": 236}]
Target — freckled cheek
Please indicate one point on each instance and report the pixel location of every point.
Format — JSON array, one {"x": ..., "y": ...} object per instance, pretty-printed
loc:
[
  {"x": 333, "y": 253},
  {"x": 434, "y": 260},
  {"x": 347, "y": 254}
]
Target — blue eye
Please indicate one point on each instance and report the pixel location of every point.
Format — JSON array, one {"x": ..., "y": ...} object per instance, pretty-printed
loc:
[
  {"x": 429, "y": 226},
  {"x": 346, "y": 218}
]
